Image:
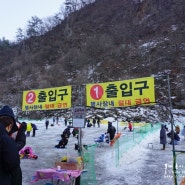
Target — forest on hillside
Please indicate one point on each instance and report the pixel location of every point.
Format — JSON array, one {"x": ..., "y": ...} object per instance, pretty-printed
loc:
[{"x": 98, "y": 41}]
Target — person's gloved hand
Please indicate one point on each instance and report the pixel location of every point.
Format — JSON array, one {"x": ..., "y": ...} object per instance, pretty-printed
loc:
[
  {"x": 23, "y": 127},
  {"x": 14, "y": 129}
]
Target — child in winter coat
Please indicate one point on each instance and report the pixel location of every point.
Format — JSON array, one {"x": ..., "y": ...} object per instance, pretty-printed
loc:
[{"x": 27, "y": 153}]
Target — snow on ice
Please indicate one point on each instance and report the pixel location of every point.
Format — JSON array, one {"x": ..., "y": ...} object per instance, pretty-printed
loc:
[{"x": 143, "y": 163}]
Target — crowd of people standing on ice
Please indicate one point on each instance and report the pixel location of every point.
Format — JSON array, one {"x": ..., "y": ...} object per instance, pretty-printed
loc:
[{"x": 92, "y": 122}]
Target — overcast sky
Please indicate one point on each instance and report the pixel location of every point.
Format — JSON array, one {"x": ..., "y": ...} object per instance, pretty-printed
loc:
[{"x": 15, "y": 14}]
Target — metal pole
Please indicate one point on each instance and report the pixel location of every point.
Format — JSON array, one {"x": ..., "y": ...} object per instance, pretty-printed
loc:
[
  {"x": 117, "y": 125},
  {"x": 80, "y": 129},
  {"x": 172, "y": 122},
  {"x": 118, "y": 156},
  {"x": 133, "y": 130},
  {"x": 80, "y": 141}
]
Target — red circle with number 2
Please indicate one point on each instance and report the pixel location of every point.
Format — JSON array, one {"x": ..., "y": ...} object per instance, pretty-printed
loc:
[{"x": 30, "y": 97}]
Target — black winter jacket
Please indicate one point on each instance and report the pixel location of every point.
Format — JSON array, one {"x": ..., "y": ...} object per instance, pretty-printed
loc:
[
  {"x": 9, "y": 156},
  {"x": 111, "y": 130},
  {"x": 20, "y": 140}
]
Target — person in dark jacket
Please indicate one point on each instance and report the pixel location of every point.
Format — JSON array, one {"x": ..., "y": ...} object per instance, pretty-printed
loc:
[
  {"x": 98, "y": 122},
  {"x": 94, "y": 122},
  {"x": 47, "y": 123},
  {"x": 34, "y": 127},
  {"x": 89, "y": 123},
  {"x": 174, "y": 137},
  {"x": 63, "y": 142},
  {"x": 18, "y": 133},
  {"x": 67, "y": 132},
  {"x": 111, "y": 130},
  {"x": 163, "y": 137},
  {"x": 75, "y": 132},
  {"x": 9, "y": 155},
  {"x": 65, "y": 121}
]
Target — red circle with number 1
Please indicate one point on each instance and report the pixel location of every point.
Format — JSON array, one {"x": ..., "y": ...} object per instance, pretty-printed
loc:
[
  {"x": 96, "y": 92},
  {"x": 30, "y": 97}
]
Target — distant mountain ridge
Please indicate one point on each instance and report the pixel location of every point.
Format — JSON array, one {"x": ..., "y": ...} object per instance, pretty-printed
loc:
[{"x": 108, "y": 40}]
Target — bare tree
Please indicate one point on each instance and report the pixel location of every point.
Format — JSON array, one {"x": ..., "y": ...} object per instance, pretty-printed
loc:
[
  {"x": 19, "y": 35},
  {"x": 52, "y": 21},
  {"x": 35, "y": 27},
  {"x": 74, "y": 5}
]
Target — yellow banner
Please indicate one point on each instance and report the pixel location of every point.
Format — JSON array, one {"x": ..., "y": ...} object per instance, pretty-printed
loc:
[
  {"x": 47, "y": 99},
  {"x": 121, "y": 93}
]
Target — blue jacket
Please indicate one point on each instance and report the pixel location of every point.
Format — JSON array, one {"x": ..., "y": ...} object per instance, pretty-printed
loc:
[{"x": 9, "y": 156}]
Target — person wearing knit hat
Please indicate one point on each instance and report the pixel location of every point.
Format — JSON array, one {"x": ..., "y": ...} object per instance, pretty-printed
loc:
[
  {"x": 7, "y": 111},
  {"x": 9, "y": 155}
]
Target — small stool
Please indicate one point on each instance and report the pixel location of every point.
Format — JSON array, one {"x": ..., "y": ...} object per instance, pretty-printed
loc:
[{"x": 150, "y": 144}]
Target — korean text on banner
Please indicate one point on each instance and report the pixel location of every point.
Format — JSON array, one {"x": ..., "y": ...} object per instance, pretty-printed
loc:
[
  {"x": 121, "y": 93},
  {"x": 47, "y": 99}
]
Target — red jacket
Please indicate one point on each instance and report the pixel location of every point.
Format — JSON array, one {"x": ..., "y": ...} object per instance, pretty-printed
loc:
[{"x": 130, "y": 125}]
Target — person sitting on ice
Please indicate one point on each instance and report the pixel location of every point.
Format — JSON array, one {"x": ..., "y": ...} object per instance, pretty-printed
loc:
[
  {"x": 75, "y": 132},
  {"x": 27, "y": 153},
  {"x": 67, "y": 132},
  {"x": 100, "y": 139},
  {"x": 107, "y": 138},
  {"x": 63, "y": 142},
  {"x": 174, "y": 135},
  {"x": 89, "y": 124},
  {"x": 177, "y": 129}
]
